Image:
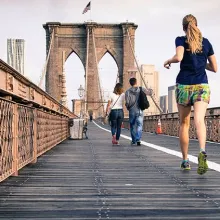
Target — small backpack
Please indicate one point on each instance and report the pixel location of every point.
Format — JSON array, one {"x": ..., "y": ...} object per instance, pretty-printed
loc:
[{"x": 143, "y": 102}]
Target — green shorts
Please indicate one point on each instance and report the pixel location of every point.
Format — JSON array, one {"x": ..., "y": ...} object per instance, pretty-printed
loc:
[{"x": 187, "y": 95}]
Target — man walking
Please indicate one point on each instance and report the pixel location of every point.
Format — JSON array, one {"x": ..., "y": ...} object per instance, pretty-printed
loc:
[{"x": 136, "y": 116}]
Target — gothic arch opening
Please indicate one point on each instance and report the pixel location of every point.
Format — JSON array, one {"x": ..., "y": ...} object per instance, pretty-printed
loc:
[
  {"x": 75, "y": 73},
  {"x": 90, "y": 41},
  {"x": 108, "y": 73}
]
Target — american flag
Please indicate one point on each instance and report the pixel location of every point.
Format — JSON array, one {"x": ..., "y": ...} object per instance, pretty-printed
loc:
[{"x": 88, "y": 7}]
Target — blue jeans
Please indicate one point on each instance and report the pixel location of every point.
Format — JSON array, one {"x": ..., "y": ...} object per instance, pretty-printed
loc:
[
  {"x": 116, "y": 118},
  {"x": 136, "y": 119}
]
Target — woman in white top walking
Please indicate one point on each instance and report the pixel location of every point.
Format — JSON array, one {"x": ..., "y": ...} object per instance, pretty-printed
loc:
[{"x": 115, "y": 109}]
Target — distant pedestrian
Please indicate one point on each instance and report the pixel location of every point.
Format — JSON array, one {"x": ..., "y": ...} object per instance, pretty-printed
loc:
[
  {"x": 192, "y": 88},
  {"x": 115, "y": 111},
  {"x": 136, "y": 115},
  {"x": 91, "y": 118}
]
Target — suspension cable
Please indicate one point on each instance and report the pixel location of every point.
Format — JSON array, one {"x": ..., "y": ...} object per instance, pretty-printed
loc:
[
  {"x": 152, "y": 97},
  {"x": 86, "y": 74},
  {"x": 96, "y": 60},
  {"x": 117, "y": 78},
  {"x": 47, "y": 59}
]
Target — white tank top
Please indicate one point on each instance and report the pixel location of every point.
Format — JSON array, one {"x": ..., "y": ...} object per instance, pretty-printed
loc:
[{"x": 119, "y": 104}]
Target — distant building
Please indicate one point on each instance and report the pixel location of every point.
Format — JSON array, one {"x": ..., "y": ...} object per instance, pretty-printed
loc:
[
  {"x": 151, "y": 78},
  {"x": 164, "y": 103},
  {"x": 133, "y": 73},
  {"x": 15, "y": 54},
  {"x": 172, "y": 106},
  {"x": 77, "y": 107}
]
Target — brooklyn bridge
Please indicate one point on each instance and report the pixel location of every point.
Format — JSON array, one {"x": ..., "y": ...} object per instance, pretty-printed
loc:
[{"x": 46, "y": 175}]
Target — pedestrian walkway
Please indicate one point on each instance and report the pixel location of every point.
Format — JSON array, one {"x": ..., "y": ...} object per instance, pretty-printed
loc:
[{"x": 91, "y": 179}]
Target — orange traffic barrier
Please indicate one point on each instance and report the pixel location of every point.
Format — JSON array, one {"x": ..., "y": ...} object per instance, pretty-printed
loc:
[{"x": 159, "y": 129}]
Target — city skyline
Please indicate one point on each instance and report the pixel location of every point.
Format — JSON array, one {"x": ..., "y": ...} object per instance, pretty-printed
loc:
[
  {"x": 15, "y": 54},
  {"x": 154, "y": 43}
]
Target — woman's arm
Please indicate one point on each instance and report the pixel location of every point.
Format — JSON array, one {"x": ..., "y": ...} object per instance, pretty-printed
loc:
[
  {"x": 107, "y": 107},
  {"x": 212, "y": 64},
  {"x": 176, "y": 58}
]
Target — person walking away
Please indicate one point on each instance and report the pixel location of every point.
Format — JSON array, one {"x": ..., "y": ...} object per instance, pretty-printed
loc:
[
  {"x": 91, "y": 118},
  {"x": 136, "y": 116},
  {"x": 115, "y": 111},
  {"x": 192, "y": 88}
]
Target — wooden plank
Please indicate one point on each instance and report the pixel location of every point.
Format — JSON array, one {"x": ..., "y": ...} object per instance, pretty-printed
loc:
[{"x": 91, "y": 179}]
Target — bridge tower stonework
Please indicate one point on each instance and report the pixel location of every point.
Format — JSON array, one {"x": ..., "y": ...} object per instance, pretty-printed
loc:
[{"x": 90, "y": 41}]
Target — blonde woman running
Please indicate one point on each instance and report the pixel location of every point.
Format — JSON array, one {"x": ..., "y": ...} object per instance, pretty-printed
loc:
[{"x": 192, "y": 89}]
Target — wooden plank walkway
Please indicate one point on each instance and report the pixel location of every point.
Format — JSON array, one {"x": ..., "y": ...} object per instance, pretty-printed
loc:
[{"x": 91, "y": 179}]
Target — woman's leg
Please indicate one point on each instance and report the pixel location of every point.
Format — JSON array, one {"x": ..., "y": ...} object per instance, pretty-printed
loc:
[
  {"x": 113, "y": 120},
  {"x": 199, "y": 119},
  {"x": 184, "y": 114},
  {"x": 113, "y": 127},
  {"x": 119, "y": 123}
]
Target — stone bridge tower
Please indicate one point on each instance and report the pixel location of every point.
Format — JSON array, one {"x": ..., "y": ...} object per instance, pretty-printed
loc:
[{"x": 89, "y": 41}]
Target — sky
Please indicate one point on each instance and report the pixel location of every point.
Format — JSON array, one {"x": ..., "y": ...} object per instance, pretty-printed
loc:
[{"x": 159, "y": 23}]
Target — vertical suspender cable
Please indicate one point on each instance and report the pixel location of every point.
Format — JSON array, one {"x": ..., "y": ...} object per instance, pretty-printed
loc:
[
  {"x": 96, "y": 60},
  {"x": 47, "y": 59},
  {"x": 152, "y": 97},
  {"x": 86, "y": 74},
  {"x": 117, "y": 78}
]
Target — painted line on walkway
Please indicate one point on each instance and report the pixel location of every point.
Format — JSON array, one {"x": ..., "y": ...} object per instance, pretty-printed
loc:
[
  {"x": 210, "y": 142},
  {"x": 166, "y": 135},
  {"x": 212, "y": 165}
]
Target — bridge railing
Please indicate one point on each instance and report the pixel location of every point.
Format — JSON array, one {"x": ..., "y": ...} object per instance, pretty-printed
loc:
[
  {"x": 170, "y": 124},
  {"x": 31, "y": 122}
]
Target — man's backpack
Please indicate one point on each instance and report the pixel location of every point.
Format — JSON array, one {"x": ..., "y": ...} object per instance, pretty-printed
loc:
[{"x": 143, "y": 102}]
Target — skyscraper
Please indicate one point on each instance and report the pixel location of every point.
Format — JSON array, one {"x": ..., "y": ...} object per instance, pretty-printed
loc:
[
  {"x": 151, "y": 78},
  {"x": 172, "y": 106},
  {"x": 164, "y": 103},
  {"x": 15, "y": 54}
]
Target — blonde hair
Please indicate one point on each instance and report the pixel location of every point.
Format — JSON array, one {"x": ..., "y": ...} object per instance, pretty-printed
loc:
[{"x": 193, "y": 34}]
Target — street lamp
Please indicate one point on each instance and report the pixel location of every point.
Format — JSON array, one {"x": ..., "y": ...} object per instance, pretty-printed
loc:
[{"x": 81, "y": 92}]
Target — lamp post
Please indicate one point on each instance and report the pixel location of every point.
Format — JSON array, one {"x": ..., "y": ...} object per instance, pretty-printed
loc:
[{"x": 81, "y": 92}]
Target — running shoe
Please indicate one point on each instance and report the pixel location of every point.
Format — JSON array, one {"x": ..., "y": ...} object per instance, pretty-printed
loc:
[
  {"x": 202, "y": 163},
  {"x": 185, "y": 165},
  {"x": 138, "y": 143}
]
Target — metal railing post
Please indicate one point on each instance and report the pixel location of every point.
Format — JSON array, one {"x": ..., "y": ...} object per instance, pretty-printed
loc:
[
  {"x": 15, "y": 140},
  {"x": 35, "y": 138}
]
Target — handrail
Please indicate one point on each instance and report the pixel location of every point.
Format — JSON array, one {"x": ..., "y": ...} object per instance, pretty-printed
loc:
[
  {"x": 27, "y": 132},
  {"x": 20, "y": 88}
]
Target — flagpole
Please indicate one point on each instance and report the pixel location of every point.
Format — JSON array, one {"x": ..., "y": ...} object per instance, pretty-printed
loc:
[
  {"x": 91, "y": 10},
  {"x": 88, "y": 8}
]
